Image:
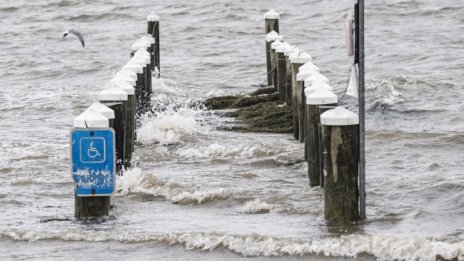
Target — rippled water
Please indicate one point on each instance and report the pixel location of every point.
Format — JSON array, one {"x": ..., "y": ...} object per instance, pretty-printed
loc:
[{"x": 202, "y": 194}]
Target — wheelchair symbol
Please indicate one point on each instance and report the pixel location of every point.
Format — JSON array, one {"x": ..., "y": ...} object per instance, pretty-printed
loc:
[{"x": 93, "y": 152}]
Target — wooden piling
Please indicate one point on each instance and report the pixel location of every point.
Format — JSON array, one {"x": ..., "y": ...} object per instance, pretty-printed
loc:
[
  {"x": 129, "y": 138},
  {"x": 153, "y": 29},
  {"x": 341, "y": 156},
  {"x": 288, "y": 70},
  {"x": 274, "y": 45},
  {"x": 302, "y": 74},
  {"x": 270, "y": 38},
  {"x": 144, "y": 57},
  {"x": 151, "y": 50},
  {"x": 281, "y": 71},
  {"x": 140, "y": 86},
  {"x": 312, "y": 143},
  {"x": 297, "y": 59},
  {"x": 116, "y": 99},
  {"x": 271, "y": 24},
  {"x": 96, "y": 116}
]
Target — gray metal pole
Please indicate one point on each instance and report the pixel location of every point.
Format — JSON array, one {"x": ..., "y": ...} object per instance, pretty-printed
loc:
[{"x": 362, "y": 136}]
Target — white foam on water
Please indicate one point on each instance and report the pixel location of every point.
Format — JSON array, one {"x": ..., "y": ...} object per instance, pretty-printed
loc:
[
  {"x": 257, "y": 207},
  {"x": 385, "y": 93},
  {"x": 382, "y": 247},
  {"x": 220, "y": 151},
  {"x": 164, "y": 88},
  {"x": 172, "y": 126},
  {"x": 199, "y": 197},
  {"x": 135, "y": 181}
]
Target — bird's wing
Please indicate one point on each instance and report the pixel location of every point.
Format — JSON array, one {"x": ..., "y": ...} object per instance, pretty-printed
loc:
[{"x": 79, "y": 36}]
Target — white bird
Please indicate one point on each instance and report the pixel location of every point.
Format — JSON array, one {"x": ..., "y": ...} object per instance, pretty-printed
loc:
[{"x": 76, "y": 33}]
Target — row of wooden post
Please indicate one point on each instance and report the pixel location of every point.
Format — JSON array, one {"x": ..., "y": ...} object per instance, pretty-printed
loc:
[
  {"x": 330, "y": 132},
  {"x": 120, "y": 107}
]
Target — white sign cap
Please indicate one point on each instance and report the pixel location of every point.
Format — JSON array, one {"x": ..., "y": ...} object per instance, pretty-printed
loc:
[
  {"x": 275, "y": 44},
  {"x": 339, "y": 117},
  {"x": 128, "y": 72},
  {"x": 272, "y": 36},
  {"x": 142, "y": 52},
  {"x": 271, "y": 14},
  {"x": 300, "y": 57},
  {"x": 133, "y": 66},
  {"x": 303, "y": 74},
  {"x": 315, "y": 86},
  {"x": 126, "y": 77},
  {"x": 125, "y": 86},
  {"x": 283, "y": 47},
  {"x": 91, "y": 119},
  {"x": 139, "y": 60},
  {"x": 112, "y": 94},
  {"x": 103, "y": 109},
  {"x": 321, "y": 97},
  {"x": 152, "y": 17},
  {"x": 291, "y": 50},
  {"x": 310, "y": 66},
  {"x": 315, "y": 77}
]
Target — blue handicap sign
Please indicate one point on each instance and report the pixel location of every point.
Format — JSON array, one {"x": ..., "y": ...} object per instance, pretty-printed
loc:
[{"x": 93, "y": 161}]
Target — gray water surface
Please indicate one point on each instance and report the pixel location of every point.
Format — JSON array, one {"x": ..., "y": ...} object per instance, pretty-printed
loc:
[{"x": 202, "y": 194}]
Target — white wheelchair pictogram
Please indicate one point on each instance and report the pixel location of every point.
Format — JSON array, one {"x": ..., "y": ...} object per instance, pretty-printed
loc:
[{"x": 93, "y": 152}]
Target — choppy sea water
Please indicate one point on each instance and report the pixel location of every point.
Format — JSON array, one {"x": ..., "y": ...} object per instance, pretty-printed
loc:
[{"x": 197, "y": 193}]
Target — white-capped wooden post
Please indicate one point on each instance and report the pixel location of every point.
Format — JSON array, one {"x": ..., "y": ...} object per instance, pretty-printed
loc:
[
  {"x": 94, "y": 117},
  {"x": 297, "y": 59},
  {"x": 154, "y": 30},
  {"x": 146, "y": 56},
  {"x": 129, "y": 138},
  {"x": 140, "y": 85},
  {"x": 271, "y": 24},
  {"x": 341, "y": 157},
  {"x": 144, "y": 93},
  {"x": 281, "y": 70},
  {"x": 151, "y": 51},
  {"x": 301, "y": 75},
  {"x": 270, "y": 38},
  {"x": 116, "y": 99},
  {"x": 288, "y": 70},
  {"x": 274, "y": 45},
  {"x": 315, "y": 99}
]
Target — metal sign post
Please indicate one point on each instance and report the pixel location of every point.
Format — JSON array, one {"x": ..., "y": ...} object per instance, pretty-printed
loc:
[{"x": 359, "y": 58}]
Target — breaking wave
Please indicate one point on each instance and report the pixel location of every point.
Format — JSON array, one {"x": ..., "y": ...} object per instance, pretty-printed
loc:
[
  {"x": 135, "y": 181},
  {"x": 382, "y": 247}
]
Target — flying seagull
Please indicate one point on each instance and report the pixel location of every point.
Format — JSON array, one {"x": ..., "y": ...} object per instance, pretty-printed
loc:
[{"x": 76, "y": 33}]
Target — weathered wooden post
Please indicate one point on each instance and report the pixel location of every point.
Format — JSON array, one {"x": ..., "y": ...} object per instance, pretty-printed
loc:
[
  {"x": 92, "y": 191},
  {"x": 270, "y": 38},
  {"x": 145, "y": 92},
  {"x": 274, "y": 45},
  {"x": 139, "y": 48},
  {"x": 154, "y": 30},
  {"x": 129, "y": 138},
  {"x": 144, "y": 54},
  {"x": 300, "y": 77},
  {"x": 309, "y": 66},
  {"x": 281, "y": 70},
  {"x": 341, "y": 156},
  {"x": 140, "y": 86},
  {"x": 315, "y": 99},
  {"x": 288, "y": 70},
  {"x": 271, "y": 24},
  {"x": 297, "y": 59},
  {"x": 151, "y": 50},
  {"x": 315, "y": 77},
  {"x": 116, "y": 99}
]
